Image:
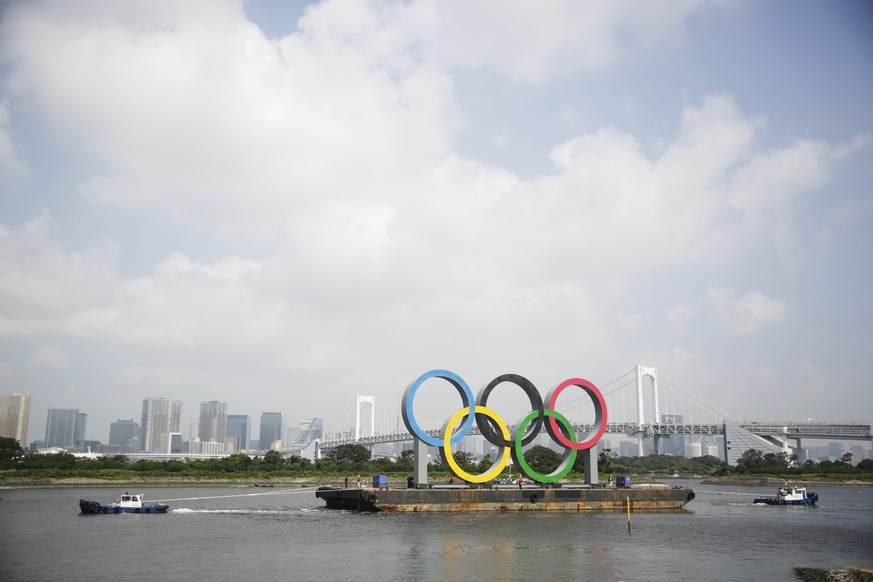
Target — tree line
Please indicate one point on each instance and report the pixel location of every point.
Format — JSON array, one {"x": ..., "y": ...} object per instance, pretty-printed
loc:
[
  {"x": 15, "y": 462},
  {"x": 755, "y": 462},
  {"x": 357, "y": 459}
]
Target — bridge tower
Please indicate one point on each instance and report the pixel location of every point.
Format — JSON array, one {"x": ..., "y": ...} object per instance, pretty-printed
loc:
[
  {"x": 360, "y": 402},
  {"x": 652, "y": 373}
]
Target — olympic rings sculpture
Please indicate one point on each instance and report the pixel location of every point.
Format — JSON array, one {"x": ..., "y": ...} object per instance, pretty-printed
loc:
[{"x": 493, "y": 428}]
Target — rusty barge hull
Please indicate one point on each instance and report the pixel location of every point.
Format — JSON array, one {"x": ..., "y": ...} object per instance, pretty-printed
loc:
[{"x": 508, "y": 499}]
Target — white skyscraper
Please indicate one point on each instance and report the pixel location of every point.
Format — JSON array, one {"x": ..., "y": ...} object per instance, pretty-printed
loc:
[
  {"x": 160, "y": 417},
  {"x": 14, "y": 416},
  {"x": 213, "y": 421},
  {"x": 63, "y": 427}
]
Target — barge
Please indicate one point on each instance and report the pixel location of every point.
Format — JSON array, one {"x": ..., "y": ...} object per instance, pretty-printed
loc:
[
  {"x": 485, "y": 491},
  {"x": 651, "y": 498}
]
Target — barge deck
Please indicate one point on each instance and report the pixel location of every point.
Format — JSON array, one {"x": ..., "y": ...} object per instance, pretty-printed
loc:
[{"x": 579, "y": 499}]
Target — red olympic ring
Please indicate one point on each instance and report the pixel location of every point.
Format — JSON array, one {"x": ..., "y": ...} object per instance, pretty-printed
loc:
[{"x": 599, "y": 412}]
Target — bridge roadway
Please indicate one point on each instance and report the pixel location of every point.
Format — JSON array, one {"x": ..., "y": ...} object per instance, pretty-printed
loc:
[
  {"x": 625, "y": 428},
  {"x": 791, "y": 430}
]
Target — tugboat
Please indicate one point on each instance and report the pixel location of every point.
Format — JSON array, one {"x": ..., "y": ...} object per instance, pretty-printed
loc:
[
  {"x": 790, "y": 496},
  {"x": 127, "y": 503}
]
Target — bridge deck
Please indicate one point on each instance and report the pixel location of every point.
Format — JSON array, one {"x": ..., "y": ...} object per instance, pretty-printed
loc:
[
  {"x": 794, "y": 431},
  {"x": 820, "y": 431}
]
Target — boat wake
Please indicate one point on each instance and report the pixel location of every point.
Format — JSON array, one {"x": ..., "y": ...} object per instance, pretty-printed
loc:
[
  {"x": 183, "y": 510},
  {"x": 276, "y": 492}
]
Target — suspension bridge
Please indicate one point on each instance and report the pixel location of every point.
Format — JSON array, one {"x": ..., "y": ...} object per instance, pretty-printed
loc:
[{"x": 644, "y": 405}]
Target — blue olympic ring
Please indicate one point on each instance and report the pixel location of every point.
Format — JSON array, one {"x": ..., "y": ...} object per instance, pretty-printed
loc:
[{"x": 409, "y": 418}]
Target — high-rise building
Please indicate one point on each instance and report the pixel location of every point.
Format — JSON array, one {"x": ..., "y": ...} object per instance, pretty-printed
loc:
[
  {"x": 123, "y": 434},
  {"x": 674, "y": 444},
  {"x": 62, "y": 427},
  {"x": 301, "y": 434},
  {"x": 238, "y": 431},
  {"x": 213, "y": 421},
  {"x": 291, "y": 433},
  {"x": 171, "y": 443},
  {"x": 160, "y": 417},
  {"x": 212, "y": 448},
  {"x": 271, "y": 429},
  {"x": 80, "y": 429},
  {"x": 15, "y": 416},
  {"x": 309, "y": 430},
  {"x": 316, "y": 428}
]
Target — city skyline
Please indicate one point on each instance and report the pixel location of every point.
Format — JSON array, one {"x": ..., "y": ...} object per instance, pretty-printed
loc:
[
  {"x": 282, "y": 205},
  {"x": 125, "y": 436},
  {"x": 15, "y": 413}
]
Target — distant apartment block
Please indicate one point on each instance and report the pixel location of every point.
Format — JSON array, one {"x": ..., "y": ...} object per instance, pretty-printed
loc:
[
  {"x": 198, "y": 447},
  {"x": 160, "y": 417},
  {"x": 836, "y": 450},
  {"x": 674, "y": 444},
  {"x": 291, "y": 434},
  {"x": 124, "y": 434},
  {"x": 239, "y": 428},
  {"x": 212, "y": 448},
  {"x": 15, "y": 416},
  {"x": 308, "y": 431},
  {"x": 64, "y": 427},
  {"x": 80, "y": 430},
  {"x": 171, "y": 443},
  {"x": 271, "y": 429},
  {"x": 213, "y": 422}
]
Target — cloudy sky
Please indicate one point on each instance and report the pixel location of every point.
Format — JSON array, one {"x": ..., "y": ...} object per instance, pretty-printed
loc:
[{"x": 282, "y": 205}]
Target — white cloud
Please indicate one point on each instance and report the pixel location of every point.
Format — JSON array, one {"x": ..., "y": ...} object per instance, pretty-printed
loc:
[
  {"x": 682, "y": 353},
  {"x": 747, "y": 313},
  {"x": 533, "y": 42},
  {"x": 50, "y": 357},
  {"x": 41, "y": 280},
  {"x": 225, "y": 115},
  {"x": 11, "y": 163},
  {"x": 766, "y": 188},
  {"x": 164, "y": 376},
  {"x": 500, "y": 140},
  {"x": 228, "y": 269},
  {"x": 679, "y": 315},
  {"x": 240, "y": 137}
]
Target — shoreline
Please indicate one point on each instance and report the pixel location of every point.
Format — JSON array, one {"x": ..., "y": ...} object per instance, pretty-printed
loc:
[
  {"x": 162, "y": 482},
  {"x": 764, "y": 481},
  {"x": 70, "y": 482},
  {"x": 61, "y": 482}
]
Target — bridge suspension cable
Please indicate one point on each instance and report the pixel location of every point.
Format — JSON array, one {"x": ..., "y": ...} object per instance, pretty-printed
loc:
[{"x": 697, "y": 400}]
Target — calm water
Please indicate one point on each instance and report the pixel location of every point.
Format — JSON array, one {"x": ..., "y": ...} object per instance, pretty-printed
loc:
[{"x": 278, "y": 534}]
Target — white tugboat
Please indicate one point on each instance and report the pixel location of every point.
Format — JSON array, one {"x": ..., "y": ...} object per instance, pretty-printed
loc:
[
  {"x": 790, "y": 496},
  {"x": 127, "y": 503}
]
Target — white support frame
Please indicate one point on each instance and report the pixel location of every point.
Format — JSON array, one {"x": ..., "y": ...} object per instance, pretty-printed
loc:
[
  {"x": 652, "y": 373},
  {"x": 371, "y": 400}
]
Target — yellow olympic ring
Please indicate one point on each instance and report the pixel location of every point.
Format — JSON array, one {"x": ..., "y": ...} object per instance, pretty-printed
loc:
[{"x": 446, "y": 449}]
